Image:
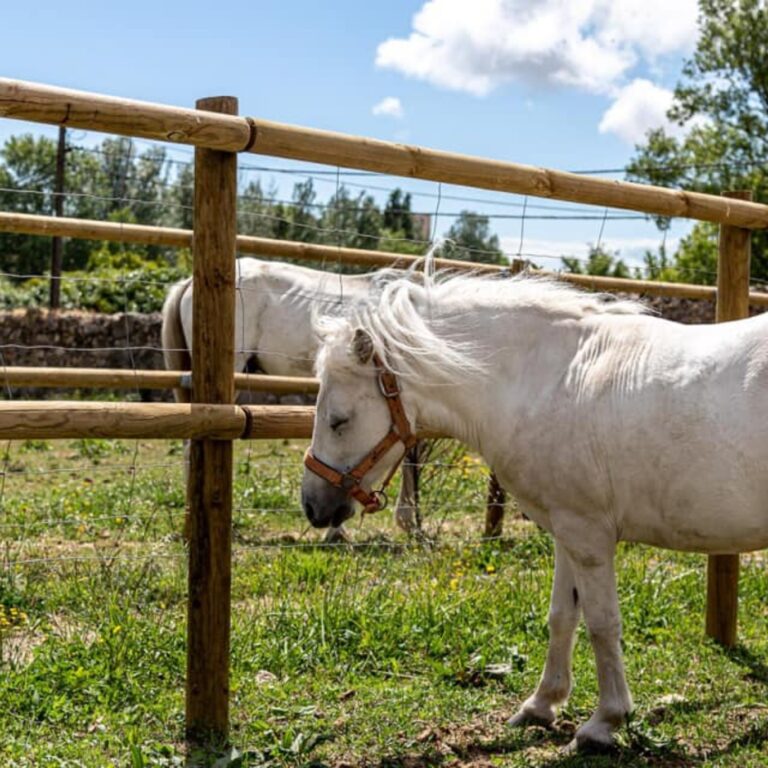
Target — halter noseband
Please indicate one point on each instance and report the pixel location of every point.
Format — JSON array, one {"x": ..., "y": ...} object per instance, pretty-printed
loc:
[{"x": 399, "y": 432}]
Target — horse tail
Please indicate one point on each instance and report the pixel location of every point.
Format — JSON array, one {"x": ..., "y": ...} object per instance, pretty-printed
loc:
[{"x": 176, "y": 353}]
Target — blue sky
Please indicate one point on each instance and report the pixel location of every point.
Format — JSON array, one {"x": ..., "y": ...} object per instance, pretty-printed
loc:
[{"x": 560, "y": 83}]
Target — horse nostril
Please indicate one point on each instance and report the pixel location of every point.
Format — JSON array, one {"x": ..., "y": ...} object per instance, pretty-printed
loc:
[{"x": 342, "y": 512}]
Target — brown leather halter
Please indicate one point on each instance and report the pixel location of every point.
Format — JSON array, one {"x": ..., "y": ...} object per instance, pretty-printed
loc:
[{"x": 399, "y": 431}]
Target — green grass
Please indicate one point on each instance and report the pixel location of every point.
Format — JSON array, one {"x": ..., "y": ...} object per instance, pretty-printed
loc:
[{"x": 385, "y": 654}]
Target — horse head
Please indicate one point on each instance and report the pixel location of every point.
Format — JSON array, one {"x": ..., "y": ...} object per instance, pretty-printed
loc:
[{"x": 361, "y": 431}]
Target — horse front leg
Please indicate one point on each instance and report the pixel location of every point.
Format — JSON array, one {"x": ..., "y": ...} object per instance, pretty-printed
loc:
[
  {"x": 596, "y": 584},
  {"x": 555, "y": 684}
]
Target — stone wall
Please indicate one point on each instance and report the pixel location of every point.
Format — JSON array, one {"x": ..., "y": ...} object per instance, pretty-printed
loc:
[{"x": 38, "y": 337}]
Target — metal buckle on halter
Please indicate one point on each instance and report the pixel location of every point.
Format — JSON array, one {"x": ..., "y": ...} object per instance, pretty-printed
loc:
[
  {"x": 389, "y": 394},
  {"x": 381, "y": 502},
  {"x": 347, "y": 482}
]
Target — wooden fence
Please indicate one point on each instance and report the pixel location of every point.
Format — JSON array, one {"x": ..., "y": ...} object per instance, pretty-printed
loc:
[
  {"x": 212, "y": 420},
  {"x": 30, "y": 224}
]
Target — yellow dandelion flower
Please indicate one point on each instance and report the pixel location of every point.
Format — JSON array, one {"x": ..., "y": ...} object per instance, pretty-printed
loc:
[
  {"x": 490, "y": 568},
  {"x": 454, "y": 584}
]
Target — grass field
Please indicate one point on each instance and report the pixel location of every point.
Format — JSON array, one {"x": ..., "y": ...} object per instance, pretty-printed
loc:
[{"x": 386, "y": 653}]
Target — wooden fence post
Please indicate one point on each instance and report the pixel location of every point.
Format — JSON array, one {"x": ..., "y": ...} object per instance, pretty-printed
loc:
[
  {"x": 210, "y": 466},
  {"x": 732, "y": 304}
]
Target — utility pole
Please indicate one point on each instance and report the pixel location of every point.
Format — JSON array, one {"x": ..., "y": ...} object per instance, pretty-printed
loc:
[{"x": 57, "y": 249}]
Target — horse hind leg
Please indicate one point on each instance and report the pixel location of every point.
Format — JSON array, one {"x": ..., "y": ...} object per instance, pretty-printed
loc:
[
  {"x": 596, "y": 582},
  {"x": 555, "y": 684}
]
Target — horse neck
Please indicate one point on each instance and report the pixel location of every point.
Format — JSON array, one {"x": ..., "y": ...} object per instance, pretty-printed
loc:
[{"x": 527, "y": 352}]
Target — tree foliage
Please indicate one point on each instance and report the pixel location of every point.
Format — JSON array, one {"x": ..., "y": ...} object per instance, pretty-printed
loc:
[
  {"x": 599, "y": 262},
  {"x": 470, "y": 239},
  {"x": 722, "y": 102},
  {"x": 117, "y": 182}
]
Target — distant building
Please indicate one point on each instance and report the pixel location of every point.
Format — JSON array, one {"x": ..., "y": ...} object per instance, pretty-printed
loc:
[{"x": 422, "y": 226}]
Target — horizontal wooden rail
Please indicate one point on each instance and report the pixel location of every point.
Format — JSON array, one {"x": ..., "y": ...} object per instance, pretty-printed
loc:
[
  {"x": 109, "y": 378},
  {"x": 62, "y": 419},
  {"x": 29, "y": 420},
  {"x": 78, "y": 109},
  {"x": 31, "y": 224},
  {"x": 271, "y": 422},
  {"x": 87, "y": 229}
]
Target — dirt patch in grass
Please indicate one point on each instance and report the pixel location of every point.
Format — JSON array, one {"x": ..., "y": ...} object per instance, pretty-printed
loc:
[{"x": 17, "y": 648}]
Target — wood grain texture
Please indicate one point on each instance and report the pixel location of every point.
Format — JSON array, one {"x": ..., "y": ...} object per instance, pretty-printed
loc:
[
  {"x": 732, "y": 304},
  {"x": 330, "y": 148},
  {"x": 261, "y": 246},
  {"x": 90, "y": 111},
  {"x": 66, "y": 419},
  {"x": 58, "y": 106},
  {"x": 112, "y": 378},
  {"x": 210, "y": 461},
  {"x": 55, "y": 420},
  {"x": 272, "y": 422}
]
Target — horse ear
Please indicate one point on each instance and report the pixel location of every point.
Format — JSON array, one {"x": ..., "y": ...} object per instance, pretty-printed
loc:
[{"x": 362, "y": 346}]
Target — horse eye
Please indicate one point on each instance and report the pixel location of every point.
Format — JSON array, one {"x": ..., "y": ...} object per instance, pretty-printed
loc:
[{"x": 338, "y": 421}]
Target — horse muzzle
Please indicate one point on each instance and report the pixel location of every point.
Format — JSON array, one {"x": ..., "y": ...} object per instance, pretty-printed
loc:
[{"x": 327, "y": 506}]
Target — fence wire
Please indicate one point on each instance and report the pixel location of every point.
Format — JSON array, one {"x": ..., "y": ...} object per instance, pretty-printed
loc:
[{"x": 266, "y": 513}]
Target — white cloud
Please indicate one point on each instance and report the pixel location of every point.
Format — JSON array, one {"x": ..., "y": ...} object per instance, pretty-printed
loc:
[
  {"x": 389, "y": 107},
  {"x": 638, "y": 107},
  {"x": 589, "y": 44}
]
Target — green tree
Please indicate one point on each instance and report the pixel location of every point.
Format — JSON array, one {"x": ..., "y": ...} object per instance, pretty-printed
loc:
[
  {"x": 599, "y": 262},
  {"x": 255, "y": 211},
  {"x": 470, "y": 239},
  {"x": 722, "y": 101},
  {"x": 352, "y": 222},
  {"x": 397, "y": 217},
  {"x": 696, "y": 257},
  {"x": 659, "y": 267},
  {"x": 26, "y": 179},
  {"x": 179, "y": 199},
  {"x": 103, "y": 183},
  {"x": 303, "y": 224}
]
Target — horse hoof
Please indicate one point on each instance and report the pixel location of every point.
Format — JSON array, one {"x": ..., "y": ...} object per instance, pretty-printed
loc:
[
  {"x": 526, "y": 717},
  {"x": 589, "y": 744}
]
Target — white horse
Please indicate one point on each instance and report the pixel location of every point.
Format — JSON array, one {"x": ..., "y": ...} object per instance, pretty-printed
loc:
[
  {"x": 606, "y": 423},
  {"x": 273, "y": 334}
]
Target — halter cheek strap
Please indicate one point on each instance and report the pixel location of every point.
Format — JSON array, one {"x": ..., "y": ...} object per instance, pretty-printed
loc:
[{"x": 399, "y": 432}]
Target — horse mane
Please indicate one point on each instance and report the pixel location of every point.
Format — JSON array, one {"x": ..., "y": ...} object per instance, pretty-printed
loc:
[{"x": 412, "y": 319}]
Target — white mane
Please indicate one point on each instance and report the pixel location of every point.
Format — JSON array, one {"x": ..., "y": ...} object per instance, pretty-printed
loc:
[{"x": 431, "y": 327}]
